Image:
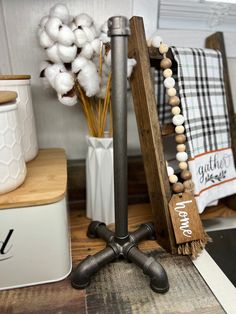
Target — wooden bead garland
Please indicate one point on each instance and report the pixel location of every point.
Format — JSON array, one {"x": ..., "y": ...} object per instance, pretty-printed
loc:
[{"x": 178, "y": 121}]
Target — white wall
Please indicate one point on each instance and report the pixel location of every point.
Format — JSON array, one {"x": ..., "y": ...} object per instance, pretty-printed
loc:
[{"x": 58, "y": 125}]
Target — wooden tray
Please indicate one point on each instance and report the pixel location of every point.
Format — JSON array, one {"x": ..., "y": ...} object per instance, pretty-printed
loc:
[{"x": 45, "y": 182}]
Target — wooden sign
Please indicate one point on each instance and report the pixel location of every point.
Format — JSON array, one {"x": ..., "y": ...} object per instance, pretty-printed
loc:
[{"x": 185, "y": 218}]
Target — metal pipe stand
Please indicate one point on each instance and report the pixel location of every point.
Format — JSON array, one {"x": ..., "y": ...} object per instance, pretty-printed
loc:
[{"x": 120, "y": 243}]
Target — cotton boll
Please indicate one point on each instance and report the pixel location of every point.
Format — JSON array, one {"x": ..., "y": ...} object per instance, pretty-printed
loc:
[
  {"x": 44, "y": 40},
  {"x": 66, "y": 36},
  {"x": 90, "y": 32},
  {"x": 52, "y": 53},
  {"x": 43, "y": 21},
  {"x": 88, "y": 78},
  {"x": 53, "y": 26},
  {"x": 72, "y": 25},
  {"x": 102, "y": 92},
  {"x": 130, "y": 65},
  {"x": 67, "y": 100},
  {"x": 64, "y": 82},
  {"x": 104, "y": 38},
  {"x": 104, "y": 27},
  {"x": 43, "y": 65},
  {"x": 78, "y": 64},
  {"x": 87, "y": 51},
  {"x": 83, "y": 20},
  {"x": 52, "y": 70},
  {"x": 60, "y": 11},
  {"x": 96, "y": 44},
  {"x": 67, "y": 53},
  {"x": 80, "y": 37}
]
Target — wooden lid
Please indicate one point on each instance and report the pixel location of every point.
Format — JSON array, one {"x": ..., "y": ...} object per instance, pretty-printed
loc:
[
  {"x": 7, "y": 96},
  {"x": 15, "y": 77},
  {"x": 45, "y": 183}
]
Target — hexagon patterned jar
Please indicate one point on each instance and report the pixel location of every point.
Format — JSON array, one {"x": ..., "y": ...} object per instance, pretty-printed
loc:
[
  {"x": 12, "y": 161},
  {"x": 21, "y": 84}
]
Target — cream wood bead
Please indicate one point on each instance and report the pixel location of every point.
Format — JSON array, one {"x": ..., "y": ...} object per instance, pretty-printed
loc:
[
  {"x": 169, "y": 82},
  {"x": 181, "y": 148},
  {"x": 165, "y": 63},
  {"x": 179, "y": 129},
  {"x": 170, "y": 171},
  {"x": 175, "y": 110},
  {"x": 178, "y": 119},
  {"x": 182, "y": 156},
  {"x": 163, "y": 48},
  {"x": 173, "y": 179},
  {"x": 167, "y": 73},
  {"x": 156, "y": 41},
  {"x": 183, "y": 165},
  {"x": 171, "y": 91}
]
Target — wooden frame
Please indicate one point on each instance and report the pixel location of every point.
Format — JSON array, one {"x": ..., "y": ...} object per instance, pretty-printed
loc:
[{"x": 150, "y": 132}]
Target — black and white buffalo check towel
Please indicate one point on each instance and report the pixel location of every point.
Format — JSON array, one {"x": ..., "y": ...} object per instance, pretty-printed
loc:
[{"x": 200, "y": 85}]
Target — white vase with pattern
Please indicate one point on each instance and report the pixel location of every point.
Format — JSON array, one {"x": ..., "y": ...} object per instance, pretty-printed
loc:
[
  {"x": 25, "y": 112},
  {"x": 100, "y": 180},
  {"x": 12, "y": 161}
]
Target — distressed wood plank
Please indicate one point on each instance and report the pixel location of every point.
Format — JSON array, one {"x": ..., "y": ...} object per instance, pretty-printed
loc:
[{"x": 150, "y": 134}]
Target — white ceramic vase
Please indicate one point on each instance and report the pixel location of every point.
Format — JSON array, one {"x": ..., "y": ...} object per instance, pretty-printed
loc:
[
  {"x": 100, "y": 180},
  {"x": 21, "y": 84},
  {"x": 12, "y": 162}
]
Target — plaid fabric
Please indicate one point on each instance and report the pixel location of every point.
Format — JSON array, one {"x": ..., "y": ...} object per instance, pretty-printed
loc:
[{"x": 201, "y": 89}]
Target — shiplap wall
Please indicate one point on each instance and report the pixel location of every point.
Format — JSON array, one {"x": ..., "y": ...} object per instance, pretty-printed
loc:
[{"x": 58, "y": 125}]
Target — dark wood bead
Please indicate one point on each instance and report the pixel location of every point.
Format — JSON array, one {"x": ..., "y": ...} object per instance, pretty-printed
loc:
[
  {"x": 178, "y": 187},
  {"x": 165, "y": 63},
  {"x": 186, "y": 175},
  {"x": 174, "y": 101},
  {"x": 180, "y": 138}
]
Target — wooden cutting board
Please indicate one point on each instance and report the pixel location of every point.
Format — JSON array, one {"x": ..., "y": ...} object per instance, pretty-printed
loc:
[{"x": 45, "y": 182}]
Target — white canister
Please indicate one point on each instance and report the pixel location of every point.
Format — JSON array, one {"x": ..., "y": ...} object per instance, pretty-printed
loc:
[
  {"x": 21, "y": 84},
  {"x": 12, "y": 162}
]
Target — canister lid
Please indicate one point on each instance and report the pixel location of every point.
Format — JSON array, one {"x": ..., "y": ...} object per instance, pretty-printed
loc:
[
  {"x": 15, "y": 77},
  {"x": 7, "y": 96}
]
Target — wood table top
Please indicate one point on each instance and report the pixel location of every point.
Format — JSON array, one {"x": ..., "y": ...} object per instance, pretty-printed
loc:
[{"x": 45, "y": 182}]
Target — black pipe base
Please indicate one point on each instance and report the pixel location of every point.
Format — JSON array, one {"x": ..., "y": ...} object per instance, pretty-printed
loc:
[{"x": 116, "y": 248}]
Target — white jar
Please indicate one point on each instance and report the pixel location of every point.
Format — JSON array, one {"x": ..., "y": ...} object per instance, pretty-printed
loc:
[
  {"x": 12, "y": 162},
  {"x": 21, "y": 84}
]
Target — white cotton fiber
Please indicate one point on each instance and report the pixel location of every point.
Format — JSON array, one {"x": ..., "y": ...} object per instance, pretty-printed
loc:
[
  {"x": 87, "y": 51},
  {"x": 60, "y": 11},
  {"x": 65, "y": 36},
  {"x": 83, "y": 20},
  {"x": 90, "y": 32},
  {"x": 80, "y": 38},
  {"x": 104, "y": 28},
  {"x": 43, "y": 65},
  {"x": 53, "y": 26},
  {"x": 44, "y": 40},
  {"x": 72, "y": 25},
  {"x": 64, "y": 82},
  {"x": 130, "y": 64},
  {"x": 88, "y": 78},
  {"x": 43, "y": 21},
  {"x": 96, "y": 44},
  {"x": 52, "y": 54},
  {"x": 52, "y": 70},
  {"x": 67, "y": 53},
  {"x": 67, "y": 100},
  {"x": 102, "y": 92},
  {"x": 78, "y": 64},
  {"x": 104, "y": 38}
]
